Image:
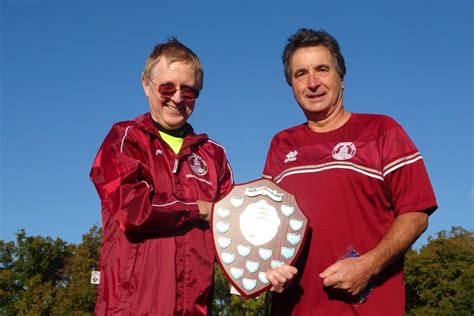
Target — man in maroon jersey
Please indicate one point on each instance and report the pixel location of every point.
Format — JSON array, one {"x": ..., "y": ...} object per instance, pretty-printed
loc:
[{"x": 360, "y": 181}]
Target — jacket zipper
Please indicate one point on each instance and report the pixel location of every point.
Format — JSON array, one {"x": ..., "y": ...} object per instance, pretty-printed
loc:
[{"x": 175, "y": 166}]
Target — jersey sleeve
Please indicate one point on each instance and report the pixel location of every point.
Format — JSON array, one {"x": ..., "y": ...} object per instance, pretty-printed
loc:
[
  {"x": 270, "y": 168},
  {"x": 125, "y": 187},
  {"x": 405, "y": 174}
]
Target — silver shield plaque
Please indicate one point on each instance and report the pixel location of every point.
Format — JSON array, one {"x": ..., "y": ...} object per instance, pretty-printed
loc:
[{"x": 255, "y": 227}]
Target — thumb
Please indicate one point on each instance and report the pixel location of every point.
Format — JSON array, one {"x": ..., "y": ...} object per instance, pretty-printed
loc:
[{"x": 329, "y": 271}]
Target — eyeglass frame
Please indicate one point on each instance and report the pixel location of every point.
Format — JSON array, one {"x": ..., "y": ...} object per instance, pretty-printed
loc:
[{"x": 168, "y": 97}]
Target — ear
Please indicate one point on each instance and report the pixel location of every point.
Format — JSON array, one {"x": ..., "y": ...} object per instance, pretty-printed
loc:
[
  {"x": 342, "y": 85},
  {"x": 146, "y": 87}
]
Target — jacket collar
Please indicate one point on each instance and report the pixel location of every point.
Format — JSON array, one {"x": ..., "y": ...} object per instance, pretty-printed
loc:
[{"x": 145, "y": 123}]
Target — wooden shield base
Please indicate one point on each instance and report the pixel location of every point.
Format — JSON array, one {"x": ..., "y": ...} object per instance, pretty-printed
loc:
[{"x": 255, "y": 227}]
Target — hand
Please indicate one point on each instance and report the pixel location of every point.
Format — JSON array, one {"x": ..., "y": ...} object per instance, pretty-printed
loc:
[
  {"x": 204, "y": 209},
  {"x": 281, "y": 277},
  {"x": 350, "y": 275}
]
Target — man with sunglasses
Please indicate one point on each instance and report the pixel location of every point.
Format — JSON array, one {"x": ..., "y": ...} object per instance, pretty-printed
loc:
[
  {"x": 361, "y": 182},
  {"x": 156, "y": 180}
]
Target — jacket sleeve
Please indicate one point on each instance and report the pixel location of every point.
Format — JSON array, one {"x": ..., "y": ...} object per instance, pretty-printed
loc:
[
  {"x": 226, "y": 178},
  {"x": 125, "y": 187}
]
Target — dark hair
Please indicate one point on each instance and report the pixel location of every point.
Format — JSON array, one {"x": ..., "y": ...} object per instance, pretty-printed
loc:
[
  {"x": 173, "y": 50},
  {"x": 307, "y": 38}
]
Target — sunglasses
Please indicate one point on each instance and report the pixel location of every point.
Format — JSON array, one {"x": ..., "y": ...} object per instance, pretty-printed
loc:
[{"x": 168, "y": 90}]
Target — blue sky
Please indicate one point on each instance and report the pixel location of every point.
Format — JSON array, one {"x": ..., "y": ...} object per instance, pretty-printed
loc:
[{"x": 69, "y": 70}]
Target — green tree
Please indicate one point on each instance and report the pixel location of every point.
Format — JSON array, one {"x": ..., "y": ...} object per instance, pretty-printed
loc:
[
  {"x": 32, "y": 269},
  {"x": 8, "y": 286},
  {"x": 221, "y": 302},
  {"x": 42, "y": 276},
  {"x": 439, "y": 277},
  {"x": 78, "y": 298},
  {"x": 234, "y": 305}
]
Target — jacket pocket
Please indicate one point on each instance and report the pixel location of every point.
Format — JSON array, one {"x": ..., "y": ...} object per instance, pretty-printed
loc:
[{"x": 128, "y": 255}]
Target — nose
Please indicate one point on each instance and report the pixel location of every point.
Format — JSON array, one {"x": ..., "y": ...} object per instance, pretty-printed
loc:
[
  {"x": 313, "y": 81},
  {"x": 177, "y": 97}
]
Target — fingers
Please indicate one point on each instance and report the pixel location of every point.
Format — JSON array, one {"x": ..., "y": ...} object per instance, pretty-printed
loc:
[
  {"x": 345, "y": 275},
  {"x": 286, "y": 270},
  {"x": 333, "y": 276},
  {"x": 332, "y": 281},
  {"x": 281, "y": 277},
  {"x": 204, "y": 209},
  {"x": 329, "y": 270},
  {"x": 329, "y": 275}
]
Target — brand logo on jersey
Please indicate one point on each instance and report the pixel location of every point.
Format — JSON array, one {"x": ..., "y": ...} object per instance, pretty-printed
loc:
[
  {"x": 158, "y": 152},
  {"x": 344, "y": 151},
  {"x": 198, "y": 164},
  {"x": 291, "y": 156}
]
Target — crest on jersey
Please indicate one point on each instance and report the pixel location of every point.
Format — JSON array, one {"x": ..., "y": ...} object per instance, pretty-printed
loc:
[
  {"x": 291, "y": 156},
  {"x": 198, "y": 165},
  {"x": 344, "y": 151}
]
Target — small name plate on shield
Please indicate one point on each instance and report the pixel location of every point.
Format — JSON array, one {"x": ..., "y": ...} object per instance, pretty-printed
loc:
[{"x": 255, "y": 227}]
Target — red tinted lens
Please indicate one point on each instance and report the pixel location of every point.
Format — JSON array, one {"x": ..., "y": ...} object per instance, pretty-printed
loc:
[
  {"x": 189, "y": 94},
  {"x": 167, "y": 90}
]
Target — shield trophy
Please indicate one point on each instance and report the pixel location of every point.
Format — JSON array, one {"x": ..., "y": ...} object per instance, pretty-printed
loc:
[{"x": 255, "y": 227}]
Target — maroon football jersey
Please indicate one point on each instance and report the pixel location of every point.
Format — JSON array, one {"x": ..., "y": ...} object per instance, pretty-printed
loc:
[{"x": 351, "y": 183}]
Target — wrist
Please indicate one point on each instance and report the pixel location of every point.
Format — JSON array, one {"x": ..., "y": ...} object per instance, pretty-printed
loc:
[
  {"x": 204, "y": 217},
  {"x": 373, "y": 264}
]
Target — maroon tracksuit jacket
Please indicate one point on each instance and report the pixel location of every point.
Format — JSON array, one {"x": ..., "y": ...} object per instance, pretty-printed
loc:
[{"x": 156, "y": 257}]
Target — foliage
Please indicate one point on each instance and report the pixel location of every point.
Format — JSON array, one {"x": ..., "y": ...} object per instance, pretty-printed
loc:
[
  {"x": 79, "y": 296},
  {"x": 440, "y": 276},
  {"x": 234, "y": 305},
  {"x": 45, "y": 276},
  {"x": 31, "y": 271},
  {"x": 7, "y": 284},
  {"x": 42, "y": 276}
]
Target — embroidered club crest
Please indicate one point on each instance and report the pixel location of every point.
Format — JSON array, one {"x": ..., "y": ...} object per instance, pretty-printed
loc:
[
  {"x": 344, "y": 151},
  {"x": 291, "y": 156},
  {"x": 198, "y": 165}
]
